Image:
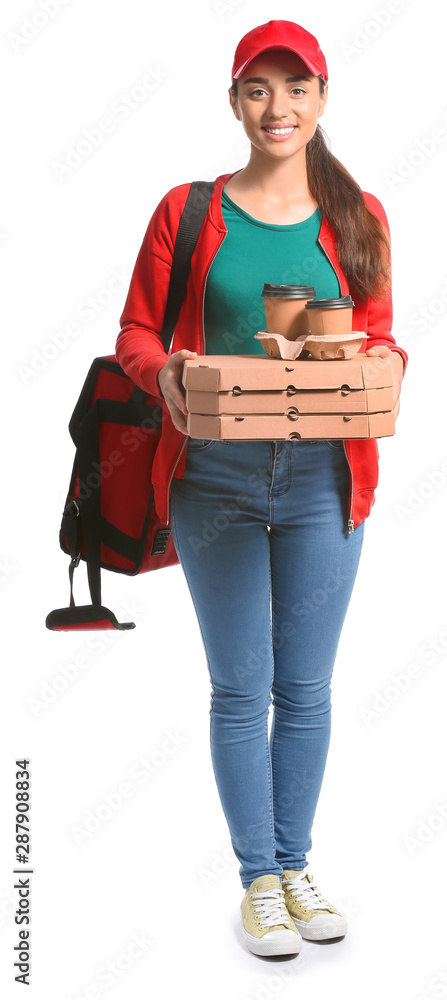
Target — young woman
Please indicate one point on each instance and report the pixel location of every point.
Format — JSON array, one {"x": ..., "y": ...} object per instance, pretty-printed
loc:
[{"x": 272, "y": 582}]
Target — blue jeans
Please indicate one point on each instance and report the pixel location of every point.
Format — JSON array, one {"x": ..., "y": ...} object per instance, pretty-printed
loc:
[{"x": 260, "y": 529}]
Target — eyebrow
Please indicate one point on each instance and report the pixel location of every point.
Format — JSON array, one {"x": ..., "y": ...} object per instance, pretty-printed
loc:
[{"x": 263, "y": 79}]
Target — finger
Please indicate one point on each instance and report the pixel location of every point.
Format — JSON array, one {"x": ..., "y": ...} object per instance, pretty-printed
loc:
[
  {"x": 178, "y": 418},
  {"x": 182, "y": 355},
  {"x": 380, "y": 351},
  {"x": 177, "y": 389},
  {"x": 176, "y": 397}
]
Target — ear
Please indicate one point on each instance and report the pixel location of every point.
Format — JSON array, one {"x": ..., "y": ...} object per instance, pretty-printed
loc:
[
  {"x": 323, "y": 100},
  {"x": 234, "y": 105}
]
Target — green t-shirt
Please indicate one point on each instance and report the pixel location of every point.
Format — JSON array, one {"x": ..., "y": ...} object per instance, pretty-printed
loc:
[{"x": 254, "y": 252}]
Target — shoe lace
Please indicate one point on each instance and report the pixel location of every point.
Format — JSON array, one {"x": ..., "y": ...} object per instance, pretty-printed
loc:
[
  {"x": 306, "y": 893},
  {"x": 271, "y": 905}
]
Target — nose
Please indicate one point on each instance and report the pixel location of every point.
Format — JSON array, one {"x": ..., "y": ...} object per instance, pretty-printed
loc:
[{"x": 276, "y": 103}]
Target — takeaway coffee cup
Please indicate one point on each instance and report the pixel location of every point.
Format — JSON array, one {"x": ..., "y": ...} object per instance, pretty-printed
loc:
[
  {"x": 330, "y": 316},
  {"x": 285, "y": 309}
]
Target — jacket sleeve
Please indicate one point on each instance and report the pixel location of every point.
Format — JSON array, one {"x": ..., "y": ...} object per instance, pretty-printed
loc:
[
  {"x": 139, "y": 349},
  {"x": 380, "y": 311}
]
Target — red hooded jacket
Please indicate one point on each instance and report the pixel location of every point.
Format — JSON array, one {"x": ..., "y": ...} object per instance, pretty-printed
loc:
[{"x": 140, "y": 352}]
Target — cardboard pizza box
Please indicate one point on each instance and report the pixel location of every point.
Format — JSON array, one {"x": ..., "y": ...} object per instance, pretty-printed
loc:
[
  {"x": 285, "y": 426},
  {"x": 279, "y": 400},
  {"x": 225, "y": 372}
]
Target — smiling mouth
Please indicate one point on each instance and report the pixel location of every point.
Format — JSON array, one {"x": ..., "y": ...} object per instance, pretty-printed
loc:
[{"x": 286, "y": 130}]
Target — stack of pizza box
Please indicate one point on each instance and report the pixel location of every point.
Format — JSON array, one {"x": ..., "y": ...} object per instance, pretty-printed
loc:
[{"x": 255, "y": 397}]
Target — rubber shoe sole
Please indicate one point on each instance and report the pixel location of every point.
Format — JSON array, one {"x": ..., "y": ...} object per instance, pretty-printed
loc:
[
  {"x": 281, "y": 942},
  {"x": 323, "y": 927}
]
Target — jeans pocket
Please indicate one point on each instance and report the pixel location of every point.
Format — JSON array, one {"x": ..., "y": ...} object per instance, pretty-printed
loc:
[
  {"x": 199, "y": 444},
  {"x": 334, "y": 442}
]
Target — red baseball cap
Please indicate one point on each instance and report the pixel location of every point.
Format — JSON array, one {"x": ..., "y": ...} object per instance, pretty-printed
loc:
[{"x": 280, "y": 35}]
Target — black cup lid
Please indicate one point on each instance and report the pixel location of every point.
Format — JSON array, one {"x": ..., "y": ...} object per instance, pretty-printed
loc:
[
  {"x": 288, "y": 291},
  {"x": 344, "y": 302}
]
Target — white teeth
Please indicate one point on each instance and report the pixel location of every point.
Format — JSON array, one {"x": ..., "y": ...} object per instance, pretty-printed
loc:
[{"x": 280, "y": 131}]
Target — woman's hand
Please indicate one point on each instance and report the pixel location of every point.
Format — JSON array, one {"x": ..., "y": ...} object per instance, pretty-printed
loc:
[
  {"x": 170, "y": 382},
  {"x": 397, "y": 364}
]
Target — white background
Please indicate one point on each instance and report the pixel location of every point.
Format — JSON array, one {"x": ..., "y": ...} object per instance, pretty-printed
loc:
[{"x": 161, "y": 867}]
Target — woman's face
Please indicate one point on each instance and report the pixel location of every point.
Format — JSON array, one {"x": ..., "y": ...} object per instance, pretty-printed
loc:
[{"x": 267, "y": 96}]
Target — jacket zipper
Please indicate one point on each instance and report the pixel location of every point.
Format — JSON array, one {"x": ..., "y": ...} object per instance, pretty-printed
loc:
[
  {"x": 350, "y": 521},
  {"x": 172, "y": 475},
  {"x": 204, "y": 291},
  {"x": 203, "y": 352}
]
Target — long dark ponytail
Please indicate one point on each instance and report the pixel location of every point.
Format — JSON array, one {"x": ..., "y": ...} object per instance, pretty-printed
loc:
[{"x": 363, "y": 245}]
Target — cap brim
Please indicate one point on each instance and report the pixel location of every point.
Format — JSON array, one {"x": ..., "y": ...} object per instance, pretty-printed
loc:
[{"x": 272, "y": 48}]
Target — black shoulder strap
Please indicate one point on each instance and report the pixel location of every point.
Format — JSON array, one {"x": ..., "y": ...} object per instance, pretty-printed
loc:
[{"x": 193, "y": 216}]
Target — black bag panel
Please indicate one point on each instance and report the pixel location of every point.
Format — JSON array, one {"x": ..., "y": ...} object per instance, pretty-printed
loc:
[{"x": 88, "y": 390}]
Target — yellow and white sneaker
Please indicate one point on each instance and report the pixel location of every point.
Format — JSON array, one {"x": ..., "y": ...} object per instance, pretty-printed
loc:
[
  {"x": 315, "y": 918},
  {"x": 267, "y": 925}
]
